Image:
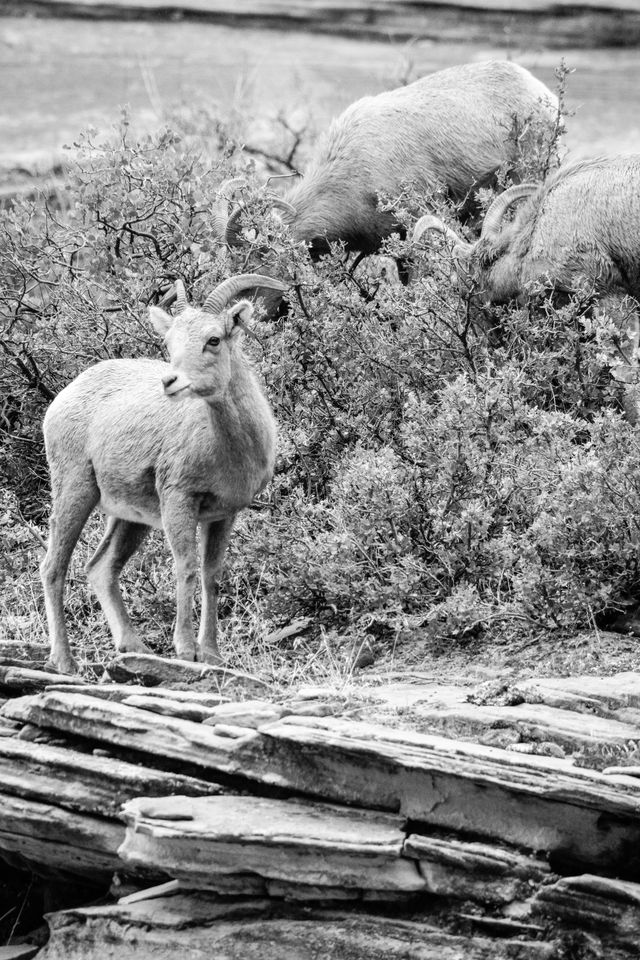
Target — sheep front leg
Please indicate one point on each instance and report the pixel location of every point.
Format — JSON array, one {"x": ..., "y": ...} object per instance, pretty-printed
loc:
[
  {"x": 179, "y": 519},
  {"x": 214, "y": 541}
]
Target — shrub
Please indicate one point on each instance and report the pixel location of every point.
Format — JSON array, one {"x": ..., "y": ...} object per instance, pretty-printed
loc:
[
  {"x": 436, "y": 467},
  {"x": 76, "y": 279}
]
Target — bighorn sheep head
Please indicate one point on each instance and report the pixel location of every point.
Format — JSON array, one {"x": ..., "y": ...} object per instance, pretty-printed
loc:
[
  {"x": 203, "y": 342},
  {"x": 462, "y": 251},
  {"x": 226, "y": 224}
]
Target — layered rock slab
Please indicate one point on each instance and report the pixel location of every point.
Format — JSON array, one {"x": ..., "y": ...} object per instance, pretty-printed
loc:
[
  {"x": 132, "y": 729},
  {"x": 607, "y": 906},
  {"x": 199, "y": 929},
  {"x": 579, "y": 815},
  {"x": 23, "y": 679},
  {"x": 153, "y": 671},
  {"x": 83, "y": 781},
  {"x": 197, "y": 839},
  {"x": 120, "y": 692},
  {"x": 531, "y": 722},
  {"x": 604, "y": 696},
  {"x": 52, "y": 839},
  {"x": 475, "y": 871}
]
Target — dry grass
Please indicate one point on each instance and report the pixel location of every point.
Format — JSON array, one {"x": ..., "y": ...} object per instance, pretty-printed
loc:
[{"x": 248, "y": 641}]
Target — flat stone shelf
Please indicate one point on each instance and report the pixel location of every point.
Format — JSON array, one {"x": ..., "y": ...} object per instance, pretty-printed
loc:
[{"x": 195, "y": 839}]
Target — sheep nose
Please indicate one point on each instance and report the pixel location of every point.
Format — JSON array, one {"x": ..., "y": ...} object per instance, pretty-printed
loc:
[{"x": 169, "y": 380}]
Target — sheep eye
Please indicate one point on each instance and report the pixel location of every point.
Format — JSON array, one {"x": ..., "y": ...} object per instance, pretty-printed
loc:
[{"x": 213, "y": 341}]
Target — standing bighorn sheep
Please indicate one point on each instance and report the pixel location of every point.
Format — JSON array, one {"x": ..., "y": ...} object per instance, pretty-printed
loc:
[
  {"x": 123, "y": 436},
  {"x": 453, "y": 129},
  {"x": 579, "y": 232}
]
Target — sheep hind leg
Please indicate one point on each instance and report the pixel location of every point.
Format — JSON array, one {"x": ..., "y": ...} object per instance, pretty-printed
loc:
[
  {"x": 214, "y": 541},
  {"x": 74, "y": 498},
  {"x": 120, "y": 541}
]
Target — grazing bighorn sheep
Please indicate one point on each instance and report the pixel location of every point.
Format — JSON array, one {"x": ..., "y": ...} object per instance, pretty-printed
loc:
[
  {"x": 579, "y": 232},
  {"x": 454, "y": 128},
  {"x": 123, "y": 436}
]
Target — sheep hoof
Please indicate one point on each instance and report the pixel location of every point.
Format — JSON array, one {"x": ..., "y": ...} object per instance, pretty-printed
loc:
[
  {"x": 133, "y": 645},
  {"x": 67, "y": 665},
  {"x": 186, "y": 651},
  {"x": 211, "y": 657}
]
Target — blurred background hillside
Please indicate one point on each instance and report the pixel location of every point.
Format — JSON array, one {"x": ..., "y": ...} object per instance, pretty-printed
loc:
[{"x": 65, "y": 66}]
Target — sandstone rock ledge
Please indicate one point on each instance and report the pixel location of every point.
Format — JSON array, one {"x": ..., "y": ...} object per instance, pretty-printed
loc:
[{"x": 250, "y": 828}]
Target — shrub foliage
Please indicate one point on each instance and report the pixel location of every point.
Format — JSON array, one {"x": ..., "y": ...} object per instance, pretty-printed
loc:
[{"x": 437, "y": 465}]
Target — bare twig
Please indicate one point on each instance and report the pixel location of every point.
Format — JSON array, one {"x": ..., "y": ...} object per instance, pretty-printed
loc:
[{"x": 32, "y": 530}]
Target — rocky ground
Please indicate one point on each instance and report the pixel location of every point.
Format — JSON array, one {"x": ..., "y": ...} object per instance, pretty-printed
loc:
[{"x": 404, "y": 818}]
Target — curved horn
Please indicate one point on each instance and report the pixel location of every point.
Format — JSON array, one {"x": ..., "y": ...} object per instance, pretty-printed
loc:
[
  {"x": 181, "y": 296},
  {"x": 429, "y": 222},
  {"x": 169, "y": 298},
  {"x": 220, "y": 208},
  {"x": 281, "y": 204},
  {"x": 175, "y": 294},
  {"x": 225, "y": 291},
  {"x": 495, "y": 213},
  {"x": 232, "y": 230}
]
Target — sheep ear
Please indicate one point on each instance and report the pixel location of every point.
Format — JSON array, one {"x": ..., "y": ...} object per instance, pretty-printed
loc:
[
  {"x": 161, "y": 321},
  {"x": 239, "y": 317}
]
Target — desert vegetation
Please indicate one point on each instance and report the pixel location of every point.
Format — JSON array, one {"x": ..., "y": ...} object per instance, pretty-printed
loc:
[{"x": 442, "y": 473}]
